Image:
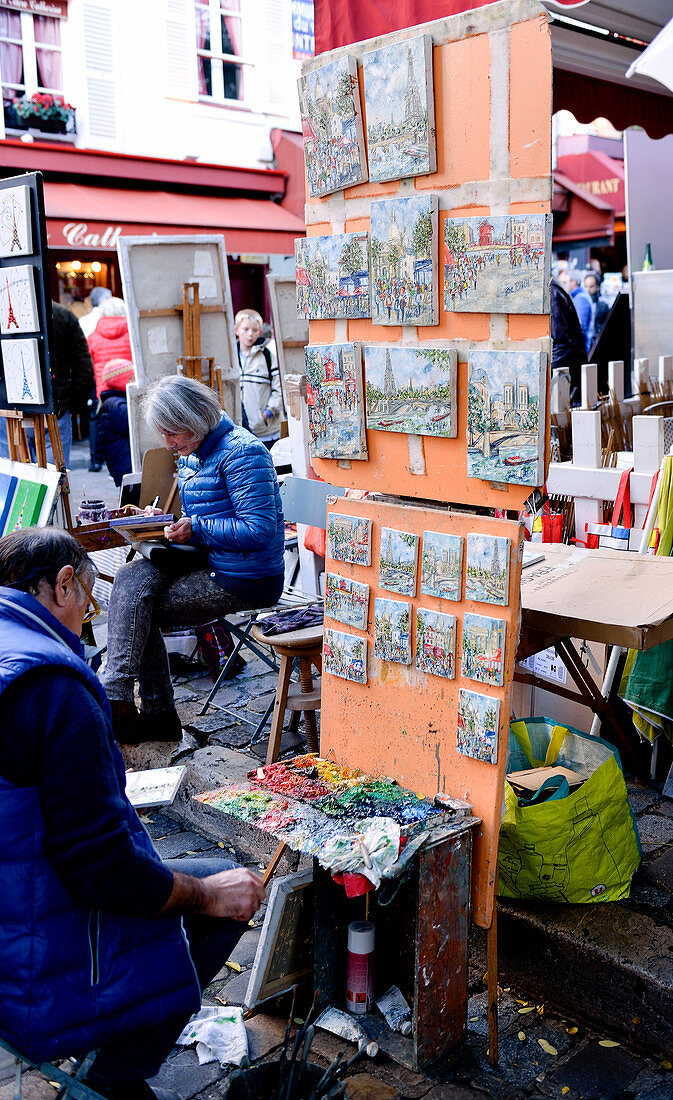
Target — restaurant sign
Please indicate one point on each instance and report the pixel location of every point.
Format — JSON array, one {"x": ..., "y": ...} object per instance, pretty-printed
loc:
[
  {"x": 602, "y": 187},
  {"x": 57, "y": 9},
  {"x": 82, "y": 234}
]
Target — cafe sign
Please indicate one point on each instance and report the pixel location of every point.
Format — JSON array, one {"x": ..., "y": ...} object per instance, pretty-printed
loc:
[
  {"x": 82, "y": 234},
  {"x": 57, "y": 9}
]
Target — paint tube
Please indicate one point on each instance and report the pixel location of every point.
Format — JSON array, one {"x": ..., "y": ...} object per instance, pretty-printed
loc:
[
  {"x": 341, "y": 1024},
  {"x": 458, "y": 805},
  {"x": 395, "y": 1010}
]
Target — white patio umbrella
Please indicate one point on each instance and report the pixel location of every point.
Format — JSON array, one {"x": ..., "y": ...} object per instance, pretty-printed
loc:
[{"x": 657, "y": 60}]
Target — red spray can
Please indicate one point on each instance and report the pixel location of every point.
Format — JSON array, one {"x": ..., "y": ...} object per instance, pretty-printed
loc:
[{"x": 360, "y": 967}]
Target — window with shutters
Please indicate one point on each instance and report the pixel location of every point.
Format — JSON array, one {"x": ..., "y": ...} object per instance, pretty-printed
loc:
[
  {"x": 30, "y": 63},
  {"x": 219, "y": 49}
]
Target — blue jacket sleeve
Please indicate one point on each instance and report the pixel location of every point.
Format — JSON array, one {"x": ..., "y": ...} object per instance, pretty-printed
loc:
[{"x": 250, "y": 481}]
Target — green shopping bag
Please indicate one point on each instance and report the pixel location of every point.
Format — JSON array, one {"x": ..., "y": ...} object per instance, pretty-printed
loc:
[{"x": 581, "y": 848}]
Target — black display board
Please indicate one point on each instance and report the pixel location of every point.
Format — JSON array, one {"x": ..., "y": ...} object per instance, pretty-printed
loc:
[{"x": 27, "y": 363}]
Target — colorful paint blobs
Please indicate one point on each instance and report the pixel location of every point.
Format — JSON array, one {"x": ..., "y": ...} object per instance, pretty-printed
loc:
[
  {"x": 441, "y": 565},
  {"x": 392, "y": 630},
  {"x": 331, "y": 122},
  {"x": 349, "y": 539},
  {"x": 332, "y": 276},
  {"x": 18, "y": 304},
  {"x": 506, "y": 416},
  {"x": 483, "y": 649},
  {"x": 21, "y": 372},
  {"x": 411, "y": 390},
  {"x": 487, "y": 569},
  {"x": 435, "y": 643},
  {"x": 346, "y": 601},
  {"x": 398, "y": 561},
  {"x": 336, "y": 404},
  {"x": 16, "y": 235},
  {"x": 403, "y": 257},
  {"x": 345, "y": 655},
  {"x": 497, "y": 264},
  {"x": 478, "y": 724},
  {"x": 400, "y": 110}
]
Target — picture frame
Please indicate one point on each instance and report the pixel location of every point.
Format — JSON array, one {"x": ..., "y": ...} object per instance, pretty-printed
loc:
[{"x": 284, "y": 956}]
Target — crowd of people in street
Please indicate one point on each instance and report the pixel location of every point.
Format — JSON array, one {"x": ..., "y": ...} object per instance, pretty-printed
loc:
[
  {"x": 400, "y": 301},
  {"x": 462, "y": 274}
]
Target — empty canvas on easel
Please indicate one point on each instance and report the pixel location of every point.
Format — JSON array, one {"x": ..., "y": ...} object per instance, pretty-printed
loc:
[
  {"x": 21, "y": 372},
  {"x": 331, "y": 123},
  {"x": 18, "y": 302},
  {"x": 400, "y": 110},
  {"x": 16, "y": 235}
]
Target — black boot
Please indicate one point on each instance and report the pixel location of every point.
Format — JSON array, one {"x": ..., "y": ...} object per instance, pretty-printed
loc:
[
  {"x": 125, "y": 718},
  {"x": 162, "y": 725},
  {"x": 128, "y": 1090}
]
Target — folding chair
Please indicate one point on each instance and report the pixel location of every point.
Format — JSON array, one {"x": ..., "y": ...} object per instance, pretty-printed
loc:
[
  {"x": 304, "y": 501},
  {"x": 71, "y": 1085}
]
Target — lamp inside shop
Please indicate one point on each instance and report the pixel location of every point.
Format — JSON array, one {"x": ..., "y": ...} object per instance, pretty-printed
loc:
[{"x": 77, "y": 278}]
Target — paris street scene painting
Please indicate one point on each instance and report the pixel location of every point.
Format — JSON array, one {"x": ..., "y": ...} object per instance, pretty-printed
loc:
[
  {"x": 332, "y": 276},
  {"x": 483, "y": 649},
  {"x": 441, "y": 565},
  {"x": 346, "y": 601},
  {"x": 335, "y": 400},
  {"x": 478, "y": 724},
  {"x": 392, "y": 630},
  {"x": 487, "y": 569},
  {"x": 497, "y": 264},
  {"x": 398, "y": 561},
  {"x": 349, "y": 538},
  {"x": 403, "y": 261},
  {"x": 345, "y": 655},
  {"x": 400, "y": 110},
  {"x": 21, "y": 372},
  {"x": 411, "y": 390},
  {"x": 331, "y": 123},
  {"x": 506, "y": 416},
  {"x": 16, "y": 233},
  {"x": 18, "y": 302},
  {"x": 435, "y": 643}
]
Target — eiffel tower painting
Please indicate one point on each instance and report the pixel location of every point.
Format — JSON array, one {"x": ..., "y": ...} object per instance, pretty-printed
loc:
[
  {"x": 27, "y": 393},
  {"x": 16, "y": 234},
  {"x": 11, "y": 319},
  {"x": 23, "y": 381},
  {"x": 15, "y": 239}
]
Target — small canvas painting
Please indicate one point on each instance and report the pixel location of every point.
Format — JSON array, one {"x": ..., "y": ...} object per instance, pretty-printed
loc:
[
  {"x": 411, "y": 390},
  {"x": 478, "y": 724},
  {"x": 441, "y": 565},
  {"x": 349, "y": 538},
  {"x": 392, "y": 630},
  {"x": 346, "y": 601},
  {"x": 331, "y": 123},
  {"x": 336, "y": 404},
  {"x": 400, "y": 110},
  {"x": 435, "y": 643},
  {"x": 21, "y": 372},
  {"x": 487, "y": 569},
  {"x": 16, "y": 235},
  {"x": 483, "y": 649},
  {"x": 332, "y": 275},
  {"x": 398, "y": 561},
  {"x": 345, "y": 655},
  {"x": 18, "y": 303},
  {"x": 497, "y": 264},
  {"x": 506, "y": 397},
  {"x": 403, "y": 259}
]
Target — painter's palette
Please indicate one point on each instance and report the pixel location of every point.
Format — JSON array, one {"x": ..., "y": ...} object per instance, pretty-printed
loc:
[
  {"x": 392, "y": 631},
  {"x": 483, "y": 649},
  {"x": 478, "y": 722},
  {"x": 345, "y": 655}
]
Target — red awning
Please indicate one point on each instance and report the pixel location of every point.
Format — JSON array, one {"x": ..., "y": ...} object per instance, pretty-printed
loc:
[
  {"x": 587, "y": 219},
  {"x": 599, "y": 175},
  {"x": 84, "y": 217}
]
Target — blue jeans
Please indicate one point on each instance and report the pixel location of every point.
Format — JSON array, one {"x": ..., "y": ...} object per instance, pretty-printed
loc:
[
  {"x": 65, "y": 431},
  {"x": 211, "y": 942}
]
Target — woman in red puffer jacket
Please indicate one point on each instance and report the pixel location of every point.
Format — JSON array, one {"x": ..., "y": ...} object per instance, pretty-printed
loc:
[{"x": 110, "y": 338}]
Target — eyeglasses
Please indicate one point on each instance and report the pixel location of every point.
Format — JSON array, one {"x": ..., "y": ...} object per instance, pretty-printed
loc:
[{"x": 93, "y": 608}]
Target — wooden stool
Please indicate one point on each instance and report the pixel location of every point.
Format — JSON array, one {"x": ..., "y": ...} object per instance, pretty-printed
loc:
[{"x": 306, "y": 646}]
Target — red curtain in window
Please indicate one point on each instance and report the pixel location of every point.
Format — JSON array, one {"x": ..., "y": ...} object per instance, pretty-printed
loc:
[
  {"x": 11, "y": 56},
  {"x": 202, "y": 36},
  {"x": 49, "y": 69}
]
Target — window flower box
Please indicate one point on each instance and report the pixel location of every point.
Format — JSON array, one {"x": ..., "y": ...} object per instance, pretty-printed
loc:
[{"x": 42, "y": 112}]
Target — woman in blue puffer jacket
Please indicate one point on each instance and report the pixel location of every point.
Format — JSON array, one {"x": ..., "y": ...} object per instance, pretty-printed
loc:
[{"x": 231, "y": 510}]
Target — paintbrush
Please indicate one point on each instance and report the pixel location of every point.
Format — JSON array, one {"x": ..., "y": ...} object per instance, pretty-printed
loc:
[
  {"x": 301, "y": 1038},
  {"x": 282, "y": 1061},
  {"x": 308, "y": 1041},
  {"x": 326, "y": 1079}
]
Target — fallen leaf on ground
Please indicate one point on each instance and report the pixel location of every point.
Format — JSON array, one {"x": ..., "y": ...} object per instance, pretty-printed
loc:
[
  {"x": 666, "y": 1064},
  {"x": 523, "y": 1011},
  {"x": 540, "y": 1010},
  {"x": 522, "y": 1035},
  {"x": 565, "y": 1090},
  {"x": 608, "y": 1043},
  {"x": 547, "y": 1047},
  {"x": 220, "y": 844},
  {"x": 233, "y": 966},
  {"x": 571, "y": 1030}
]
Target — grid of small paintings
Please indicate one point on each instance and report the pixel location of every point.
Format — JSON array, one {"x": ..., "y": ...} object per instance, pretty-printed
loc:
[
  {"x": 346, "y": 600},
  {"x": 487, "y": 569},
  {"x": 398, "y": 561},
  {"x": 335, "y": 399},
  {"x": 478, "y": 724},
  {"x": 345, "y": 655}
]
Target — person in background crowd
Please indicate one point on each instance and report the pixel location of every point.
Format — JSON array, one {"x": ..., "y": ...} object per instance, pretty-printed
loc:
[
  {"x": 260, "y": 378},
  {"x": 571, "y": 280},
  {"x": 600, "y": 308},
  {"x": 113, "y": 421},
  {"x": 103, "y": 945},
  {"x": 109, "y": 340},
  {"x": 568, "y": 346},
  {"x": 88, "y": 322}
]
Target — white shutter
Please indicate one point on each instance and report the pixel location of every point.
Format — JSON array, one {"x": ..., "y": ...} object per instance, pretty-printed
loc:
[
  {"x": 100, "y": 83},
  {"x": 181, "y": 72},
  {"x": 279, "y": 52}
]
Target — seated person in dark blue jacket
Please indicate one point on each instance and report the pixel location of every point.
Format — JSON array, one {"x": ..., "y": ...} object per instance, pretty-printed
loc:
[
  {"x": 112, "y": 419},
  {"x": 231, "y": 509},
  {"x": 93, "y": 955}
]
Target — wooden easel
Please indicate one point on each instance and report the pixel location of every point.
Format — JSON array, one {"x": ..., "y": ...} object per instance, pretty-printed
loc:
[{"x": 19, "y": 451}]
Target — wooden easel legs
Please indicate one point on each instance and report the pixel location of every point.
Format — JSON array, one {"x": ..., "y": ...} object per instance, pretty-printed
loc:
[{"x": 492, "y": 985}]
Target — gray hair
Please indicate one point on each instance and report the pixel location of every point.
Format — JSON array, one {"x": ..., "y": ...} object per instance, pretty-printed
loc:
[
  {"x": 112, "y": 307},
  {"x": 32, "y": 556},
  {"x": 179, "y": 404}
]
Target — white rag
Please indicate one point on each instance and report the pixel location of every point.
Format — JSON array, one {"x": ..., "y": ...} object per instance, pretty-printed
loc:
[{"x": 219, "y": 1034}]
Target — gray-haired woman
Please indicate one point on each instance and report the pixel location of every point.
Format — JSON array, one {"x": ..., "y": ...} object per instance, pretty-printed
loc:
[{"x": 231, "y": 509}]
